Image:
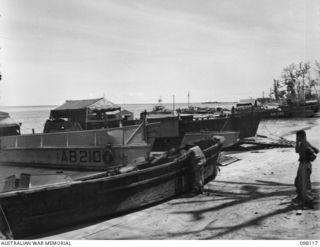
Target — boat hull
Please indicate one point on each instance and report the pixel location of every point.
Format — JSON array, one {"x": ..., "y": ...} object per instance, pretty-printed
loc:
[
  {"x": 245, "y": 123},
  {"x": 41, "y": 210},
  {"x": 87, "y": 150},
  {"x": 75, "y": 158}
]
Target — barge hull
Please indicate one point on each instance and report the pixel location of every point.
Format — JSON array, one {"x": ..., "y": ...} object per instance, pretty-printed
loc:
[{"x": 246, "y": 123}]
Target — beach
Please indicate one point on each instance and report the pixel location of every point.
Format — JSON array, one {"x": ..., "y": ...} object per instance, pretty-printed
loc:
[{"x": 249, "y": 199}]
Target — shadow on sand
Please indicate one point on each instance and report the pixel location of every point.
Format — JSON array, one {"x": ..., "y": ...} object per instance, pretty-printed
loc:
[{"x": 246, "y": 192}]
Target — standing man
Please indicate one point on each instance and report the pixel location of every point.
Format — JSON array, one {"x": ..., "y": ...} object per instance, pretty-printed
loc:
[{"x": 302, "y": 181}]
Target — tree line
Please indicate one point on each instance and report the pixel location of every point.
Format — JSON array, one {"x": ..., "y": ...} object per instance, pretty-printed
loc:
[{"x": 297, "y": 82}]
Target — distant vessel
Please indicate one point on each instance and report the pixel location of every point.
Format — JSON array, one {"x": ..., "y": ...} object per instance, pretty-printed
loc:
[
  {"x": 298, "y": 110},
  {"x": 219, "y": 102},
  {"x": 294, "y": 102},
  {"x": 302, "y": 109},
  {"x": 159, "y": 109},
  {"x": 195, "y": 109},
  {"x": 202, "y": 112},
  {"x": 286, "y": 109},
  {"x": 298, "y": 106},
  {"x": 198, "y": 110},
  {"x": 8, "y": 127}
]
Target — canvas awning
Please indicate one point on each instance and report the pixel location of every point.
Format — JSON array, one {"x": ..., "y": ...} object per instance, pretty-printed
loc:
[{"x": 78, "y": 107}]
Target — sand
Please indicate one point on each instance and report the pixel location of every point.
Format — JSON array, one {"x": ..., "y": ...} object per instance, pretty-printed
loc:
[{"x": 250, "y": 199}]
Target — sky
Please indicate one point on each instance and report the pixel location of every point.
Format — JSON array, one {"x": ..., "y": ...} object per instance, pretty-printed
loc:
[{"x": 135, "y": 51}]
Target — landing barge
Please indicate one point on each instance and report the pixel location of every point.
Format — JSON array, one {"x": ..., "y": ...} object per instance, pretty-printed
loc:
[{"x": 87, "y": 150}]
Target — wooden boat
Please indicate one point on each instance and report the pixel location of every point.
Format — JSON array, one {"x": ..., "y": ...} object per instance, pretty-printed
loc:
[
  {"x": 26, "y": 213},
  {"x": 8, "y": 126}
]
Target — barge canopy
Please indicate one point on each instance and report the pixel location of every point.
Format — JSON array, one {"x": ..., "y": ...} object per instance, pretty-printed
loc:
[
  {"x": 76, "y": 107},
  {"x": 82, "y": 115}
]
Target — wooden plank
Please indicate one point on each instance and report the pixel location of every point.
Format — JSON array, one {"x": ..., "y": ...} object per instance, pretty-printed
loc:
[{"x": 225, "y": 160}]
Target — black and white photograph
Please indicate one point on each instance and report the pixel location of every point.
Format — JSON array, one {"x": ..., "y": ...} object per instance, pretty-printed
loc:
[{"x": 159, "y": 120}]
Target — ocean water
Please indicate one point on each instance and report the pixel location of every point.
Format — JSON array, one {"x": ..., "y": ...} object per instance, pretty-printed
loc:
[{"x": 34, "y": 117}]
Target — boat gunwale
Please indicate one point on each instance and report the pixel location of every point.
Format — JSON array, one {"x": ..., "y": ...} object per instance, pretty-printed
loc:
[
  {"x": 50, "y": 187},
  {"x": 123, "y": 146},
  {"x": 94, "y": 180},
  {"x": 122, "y": 187},
  {"x": 67, "y": 167},
  {"x": 81, "y": 131}
]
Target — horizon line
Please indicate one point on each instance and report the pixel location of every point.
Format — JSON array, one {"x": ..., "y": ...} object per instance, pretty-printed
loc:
[{"x": 205, "y": 102}]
